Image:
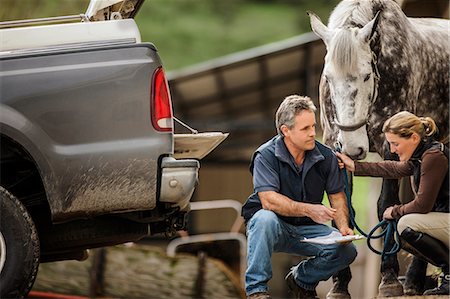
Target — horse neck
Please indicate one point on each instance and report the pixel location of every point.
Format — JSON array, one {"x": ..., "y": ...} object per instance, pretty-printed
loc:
[
  {"x": 396, "y": 84},
  {"x": 394, "y": 54}
]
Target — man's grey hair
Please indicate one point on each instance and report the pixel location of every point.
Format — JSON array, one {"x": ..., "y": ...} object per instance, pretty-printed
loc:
[{"x": 290, "y": 108}]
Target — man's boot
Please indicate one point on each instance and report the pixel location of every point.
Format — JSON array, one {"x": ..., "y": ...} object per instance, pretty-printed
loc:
[
  {"x": 340, "y": 285},
  {"x": 415, "y": 277},
  {"x": 431, "y": 250}
]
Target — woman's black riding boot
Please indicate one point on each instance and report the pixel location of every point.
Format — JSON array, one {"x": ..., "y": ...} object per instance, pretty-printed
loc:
[{"x": 431, "y": 250}]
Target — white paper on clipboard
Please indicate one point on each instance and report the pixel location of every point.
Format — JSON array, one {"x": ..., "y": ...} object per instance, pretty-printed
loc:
[{"x": 334, "y": 237}]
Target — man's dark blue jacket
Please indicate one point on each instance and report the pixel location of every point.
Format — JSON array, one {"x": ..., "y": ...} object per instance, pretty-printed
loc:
[{"x": 274, "y": 169}]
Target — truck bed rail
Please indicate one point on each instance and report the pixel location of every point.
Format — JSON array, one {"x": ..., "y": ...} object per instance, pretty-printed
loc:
[{"x": 41, "y": 21}]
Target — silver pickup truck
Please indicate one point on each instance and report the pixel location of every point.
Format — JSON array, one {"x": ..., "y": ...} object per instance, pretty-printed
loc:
[{"x": 87, "y": 141}]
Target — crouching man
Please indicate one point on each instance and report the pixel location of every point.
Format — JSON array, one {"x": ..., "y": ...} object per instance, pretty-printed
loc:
[{"x": 291, "y": 172}]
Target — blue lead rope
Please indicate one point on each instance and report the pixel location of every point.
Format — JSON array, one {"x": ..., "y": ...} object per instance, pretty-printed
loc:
[{"x": 389, "y": 231}]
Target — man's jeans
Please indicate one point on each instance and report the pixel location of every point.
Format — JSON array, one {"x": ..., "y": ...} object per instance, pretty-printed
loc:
[{"x": 266, "y": 233}]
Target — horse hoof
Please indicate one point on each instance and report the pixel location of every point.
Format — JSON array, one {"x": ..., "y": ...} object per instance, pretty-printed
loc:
[
  {"x": 390, "y": 287},
  {"x": 412, "y": 291},
  {"x": 390, "y": 290}
]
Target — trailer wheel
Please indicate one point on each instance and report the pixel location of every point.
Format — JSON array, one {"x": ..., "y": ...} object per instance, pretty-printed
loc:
[{"x": 19, "y": 248}]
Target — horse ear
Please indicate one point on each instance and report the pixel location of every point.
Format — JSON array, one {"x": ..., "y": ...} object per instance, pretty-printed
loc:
[
  {"x": 369, "y": 29},
  {"x": 318, "y": 27}
]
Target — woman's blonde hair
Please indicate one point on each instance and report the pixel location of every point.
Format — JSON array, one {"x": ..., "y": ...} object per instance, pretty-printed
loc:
[{"x": 404, "y": 124}]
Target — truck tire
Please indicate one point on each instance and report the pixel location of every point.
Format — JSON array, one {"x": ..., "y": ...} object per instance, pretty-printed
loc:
[{"x": 19, "y": 248}]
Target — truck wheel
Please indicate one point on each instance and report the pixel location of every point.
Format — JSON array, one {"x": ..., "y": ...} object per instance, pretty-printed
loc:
[{"x": 19, "y": 248}]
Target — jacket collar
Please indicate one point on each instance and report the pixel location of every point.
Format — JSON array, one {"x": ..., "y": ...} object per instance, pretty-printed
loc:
[
  {"x": 282, "y": 154},
  {"x": 422, "y": 147}
]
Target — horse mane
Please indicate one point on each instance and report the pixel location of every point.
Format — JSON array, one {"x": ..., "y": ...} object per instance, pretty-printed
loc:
[
  {"x": 346, "y": 16},
  {"x": 343, "y": 51},
  {"x": 352, "y": 14}
]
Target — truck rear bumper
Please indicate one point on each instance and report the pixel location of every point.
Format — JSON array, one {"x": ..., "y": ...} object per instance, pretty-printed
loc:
[{"x": 179, "y": 179}]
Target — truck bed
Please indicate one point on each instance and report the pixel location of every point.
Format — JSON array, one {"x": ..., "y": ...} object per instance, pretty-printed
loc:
[{"x": 63, "y": 35}]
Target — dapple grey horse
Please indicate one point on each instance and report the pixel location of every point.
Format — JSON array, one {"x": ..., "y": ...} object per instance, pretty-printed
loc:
[{"x": 380, "y": 62}]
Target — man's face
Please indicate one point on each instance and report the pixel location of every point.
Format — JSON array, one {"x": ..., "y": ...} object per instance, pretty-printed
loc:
[{"x": 302, "y": 135}]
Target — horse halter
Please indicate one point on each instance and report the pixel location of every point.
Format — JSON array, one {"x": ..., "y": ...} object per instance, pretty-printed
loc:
[{"x": 376, "y": 79}]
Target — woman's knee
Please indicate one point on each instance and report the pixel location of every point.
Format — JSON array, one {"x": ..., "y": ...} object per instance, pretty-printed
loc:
[{"x": 404, "y": 222}]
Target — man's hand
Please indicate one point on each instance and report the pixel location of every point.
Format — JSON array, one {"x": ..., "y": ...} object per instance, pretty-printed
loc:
[
  {"x": 320, "y": 213},
  {"x": 346, "y": 231}
]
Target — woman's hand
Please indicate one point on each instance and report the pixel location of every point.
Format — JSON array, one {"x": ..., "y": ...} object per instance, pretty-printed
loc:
[
  {"x": 345, "y": 160},
  {"x": 388, "y": 213}
]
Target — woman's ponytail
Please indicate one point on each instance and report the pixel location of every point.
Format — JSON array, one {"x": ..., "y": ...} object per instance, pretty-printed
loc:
[{"x": 429, "y": 126}]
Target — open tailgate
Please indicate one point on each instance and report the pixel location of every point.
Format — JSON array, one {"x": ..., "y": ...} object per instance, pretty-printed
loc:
[{"x": 196, "y": 146}]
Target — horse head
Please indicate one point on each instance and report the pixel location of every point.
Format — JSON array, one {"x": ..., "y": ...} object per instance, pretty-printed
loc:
[{"x": 350, "y": 73}]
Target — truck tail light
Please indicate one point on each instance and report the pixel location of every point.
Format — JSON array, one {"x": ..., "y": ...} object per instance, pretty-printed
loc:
[{"x": 161, "y": 105}]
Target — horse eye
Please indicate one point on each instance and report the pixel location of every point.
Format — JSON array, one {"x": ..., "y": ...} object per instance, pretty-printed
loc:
[{"x": 367, "y": 77}]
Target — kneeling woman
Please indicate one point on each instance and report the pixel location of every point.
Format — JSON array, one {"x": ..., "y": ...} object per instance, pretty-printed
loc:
[{"x": 424, "y": 222}]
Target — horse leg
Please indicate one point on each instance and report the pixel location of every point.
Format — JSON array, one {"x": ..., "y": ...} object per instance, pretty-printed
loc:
[
  {"x": 390, "y": 286},
  {"x": 414, "y": 277},
  {"x": 340, "y": 285}
]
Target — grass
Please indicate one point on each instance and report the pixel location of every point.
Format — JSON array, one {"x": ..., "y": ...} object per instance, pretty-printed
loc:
[{"x": 360, "y": 199}]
